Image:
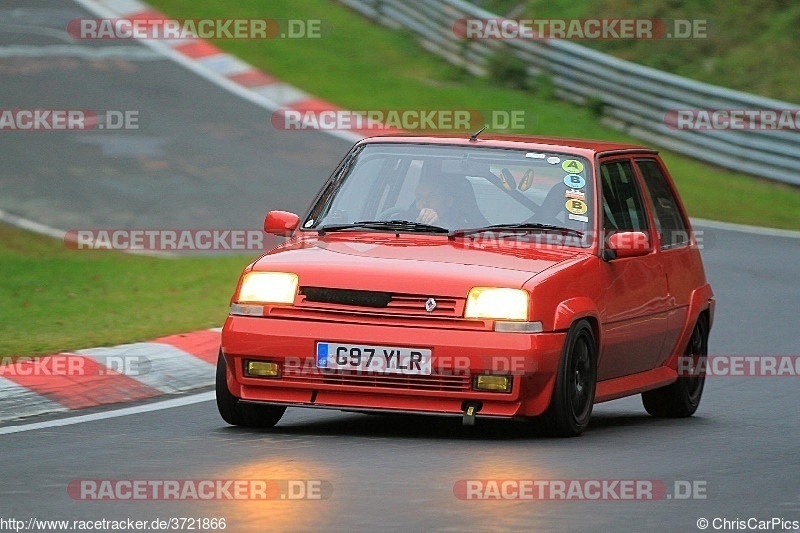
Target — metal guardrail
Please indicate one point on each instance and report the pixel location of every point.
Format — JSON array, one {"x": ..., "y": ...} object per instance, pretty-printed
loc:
[{"x": 634, "y": 98}]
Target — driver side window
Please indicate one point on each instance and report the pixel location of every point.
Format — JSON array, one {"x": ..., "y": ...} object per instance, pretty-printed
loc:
[{"x": 623, "y": 209}]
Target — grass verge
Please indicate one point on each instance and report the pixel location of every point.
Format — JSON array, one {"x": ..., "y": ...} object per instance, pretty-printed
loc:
[
  {"x": 359, "y": 65},
  {"x": 56, "y": 299}
]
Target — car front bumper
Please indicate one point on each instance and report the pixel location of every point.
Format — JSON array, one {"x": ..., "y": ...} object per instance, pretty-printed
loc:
[{"x": 457, "y": 357}]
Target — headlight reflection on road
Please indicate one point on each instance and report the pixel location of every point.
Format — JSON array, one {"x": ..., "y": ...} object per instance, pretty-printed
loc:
[{"x": 297, "y": 496}]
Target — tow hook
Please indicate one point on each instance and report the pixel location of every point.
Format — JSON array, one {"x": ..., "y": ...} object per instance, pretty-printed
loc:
[{"x": 470, "y": 409}]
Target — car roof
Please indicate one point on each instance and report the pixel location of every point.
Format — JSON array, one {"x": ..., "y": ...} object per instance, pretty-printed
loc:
[{"x": 586, "y": 147}]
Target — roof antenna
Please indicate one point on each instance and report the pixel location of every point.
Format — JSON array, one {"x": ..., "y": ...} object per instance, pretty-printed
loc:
[{"x": 474, "y": 136}]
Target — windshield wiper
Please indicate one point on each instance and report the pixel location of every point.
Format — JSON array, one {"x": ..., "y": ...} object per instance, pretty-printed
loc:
[
  {"x": 382, "y": 225},
  {"x": 523, "y": 226}
]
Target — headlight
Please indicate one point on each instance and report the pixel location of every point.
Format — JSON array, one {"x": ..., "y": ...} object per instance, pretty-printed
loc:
[
  {"x": 492, "y": 302},
  {"x": 268, "y": 287}
]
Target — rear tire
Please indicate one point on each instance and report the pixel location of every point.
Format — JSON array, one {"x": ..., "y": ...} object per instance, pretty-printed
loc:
[
  {"x": 236, "y": 413},
  {"x": 573, "y": 395},
  {"x": 681, "y": 398}
]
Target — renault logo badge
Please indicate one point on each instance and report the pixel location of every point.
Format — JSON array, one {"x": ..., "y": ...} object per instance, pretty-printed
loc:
[{"x": 430, "y": 305}]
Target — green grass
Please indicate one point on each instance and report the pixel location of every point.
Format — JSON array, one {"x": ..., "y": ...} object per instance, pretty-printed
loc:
[
  {"x": 56, "y": 299},
  {"x": 360, "y": 65}
]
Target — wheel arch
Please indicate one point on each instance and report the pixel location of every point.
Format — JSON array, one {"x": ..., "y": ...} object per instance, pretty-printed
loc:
[
  {"x": 702, "y": 304},
  {"x": 581, "y": 308}
]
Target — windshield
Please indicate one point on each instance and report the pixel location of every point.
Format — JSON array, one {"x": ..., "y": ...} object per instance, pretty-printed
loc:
[{"x": 456, "y": 188}]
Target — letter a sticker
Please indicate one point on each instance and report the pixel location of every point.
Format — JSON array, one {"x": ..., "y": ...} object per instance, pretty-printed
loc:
[{"x": 573, "y": 166}]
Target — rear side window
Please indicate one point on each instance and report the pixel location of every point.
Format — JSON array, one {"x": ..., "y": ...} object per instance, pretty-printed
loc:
[
  {"x": 669, "y": 221},
  {"x": 622, "y": 204}
]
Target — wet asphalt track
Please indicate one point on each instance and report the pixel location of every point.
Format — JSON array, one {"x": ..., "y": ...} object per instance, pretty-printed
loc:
[{"x": 208, "y": 159}]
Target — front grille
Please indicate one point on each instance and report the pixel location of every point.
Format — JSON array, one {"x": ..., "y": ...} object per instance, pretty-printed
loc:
[
  {"x": 395, "y": 304},
  {"x": 346, "y": 296},
  {"x": 434, "y": 382}
]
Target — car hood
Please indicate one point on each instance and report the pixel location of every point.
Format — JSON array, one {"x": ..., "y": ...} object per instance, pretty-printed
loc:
[{"x": 412, "y": 264}]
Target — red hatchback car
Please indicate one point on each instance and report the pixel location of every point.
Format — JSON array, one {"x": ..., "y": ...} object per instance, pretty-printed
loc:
[{"x": 509, "y": 277}]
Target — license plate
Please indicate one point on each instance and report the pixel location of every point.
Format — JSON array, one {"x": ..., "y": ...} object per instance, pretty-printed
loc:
[{"x": 368, "y": 358}]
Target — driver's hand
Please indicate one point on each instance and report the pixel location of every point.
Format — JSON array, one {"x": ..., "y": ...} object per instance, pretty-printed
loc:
[{"x": 428, "y": 216}]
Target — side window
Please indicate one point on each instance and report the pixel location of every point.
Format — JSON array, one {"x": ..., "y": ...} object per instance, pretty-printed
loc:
[
  {"x": 669, "y": 220},
  {"x": 622, "y": 202}
]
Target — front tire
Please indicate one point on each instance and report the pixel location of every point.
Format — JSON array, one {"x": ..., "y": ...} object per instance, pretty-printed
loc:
[
  {"x": 573, "y": 395},
  {"x": 681, "y": 398},
  {"x": 236, "y": 413}
]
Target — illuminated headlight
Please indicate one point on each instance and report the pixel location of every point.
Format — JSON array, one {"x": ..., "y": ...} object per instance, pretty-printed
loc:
[
  {"x": 497, "y": 303},
  {"x": 268, "y": 287}
]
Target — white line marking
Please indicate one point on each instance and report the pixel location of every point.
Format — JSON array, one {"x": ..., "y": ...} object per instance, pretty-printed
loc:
[
  {"x": 158, "y": 406},
  {"x": 132, "y": 53},
  {"x": 30, "y": 225},
  {"x": 742, "y": 228},
  {"x": 43, "y": 229}
]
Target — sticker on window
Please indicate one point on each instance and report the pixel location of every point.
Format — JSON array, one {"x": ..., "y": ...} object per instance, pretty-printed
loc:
[
  {"x": 576, "y": 207},
  {"x": 573, "y": 166},
  {"x": 574, "y": 181},
  {"x": 572, "y": 193}
]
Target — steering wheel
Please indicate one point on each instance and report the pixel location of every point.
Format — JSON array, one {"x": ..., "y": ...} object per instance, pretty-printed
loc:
[{"x": 388, "y": 214}]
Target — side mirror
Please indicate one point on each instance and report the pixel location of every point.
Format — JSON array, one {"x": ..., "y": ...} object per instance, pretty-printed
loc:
[
  {"x": 627, "y": 244},
  {"x": 281, "y": 223}
]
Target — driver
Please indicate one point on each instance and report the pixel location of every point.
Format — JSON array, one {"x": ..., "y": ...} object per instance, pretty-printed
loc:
[
  {"x": 446, "y": 200},
  {"x": 433, "y": 203}
]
